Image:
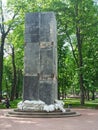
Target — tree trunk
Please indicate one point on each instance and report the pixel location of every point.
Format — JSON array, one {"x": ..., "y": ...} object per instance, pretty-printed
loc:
[
  {"x": 19, "y": 83},
  {"x": 81, "y": 90},
  {"x": 93, "y": 95},
  {"x": 80, "y": 59},
  {"x": 13, "y": 90},
  {"x": 1, "y": 64},
  {"x": 58, "y": 90},
  {"x": 3, "y": 33},
  {"x": 80, "y": 74},
  {"x": 87, "y": 95}
]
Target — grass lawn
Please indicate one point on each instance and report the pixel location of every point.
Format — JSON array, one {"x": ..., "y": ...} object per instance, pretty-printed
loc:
[
  {"x": 12, "y": 103},
  {"x": 75, "y": 103}
]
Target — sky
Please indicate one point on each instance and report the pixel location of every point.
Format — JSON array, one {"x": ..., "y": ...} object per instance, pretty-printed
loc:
[{"x": 4, "y": 2}]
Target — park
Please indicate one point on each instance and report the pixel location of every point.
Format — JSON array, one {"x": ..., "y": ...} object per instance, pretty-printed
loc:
[{"x": 48, "y": 65}]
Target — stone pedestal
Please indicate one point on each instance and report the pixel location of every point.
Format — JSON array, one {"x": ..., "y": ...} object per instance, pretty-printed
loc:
[{"x": 40, "y": 60}]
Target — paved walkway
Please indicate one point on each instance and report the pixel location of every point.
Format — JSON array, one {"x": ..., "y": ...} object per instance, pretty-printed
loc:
[{"x": 87, "y": 121}]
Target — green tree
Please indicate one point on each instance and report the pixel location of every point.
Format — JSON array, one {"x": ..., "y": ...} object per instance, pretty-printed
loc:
[
  {"x": 76, "y": 22},
  {"x": 4, "y": 30},
  {"x": 77, "y": 40}
]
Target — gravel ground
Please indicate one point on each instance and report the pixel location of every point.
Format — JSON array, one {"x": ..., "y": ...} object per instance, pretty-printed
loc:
[{"x": 87, "y": 121}]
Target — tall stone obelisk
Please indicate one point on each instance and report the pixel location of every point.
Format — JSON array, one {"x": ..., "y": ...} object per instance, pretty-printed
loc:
[{"x": 40, "y": 60}]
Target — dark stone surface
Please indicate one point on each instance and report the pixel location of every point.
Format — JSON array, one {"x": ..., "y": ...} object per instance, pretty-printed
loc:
[
  {"x": 40, "y": 62},
  {"x": 46, "y": 61},
  {"x": 32, "y": 59},
  {"x": 46, "y": 92},
  {"x": 45, "y": 26},
  {"x": 32, "y": 30},
  {"x": 31, "y": 38},
  {"x": 31, "y": 87},
  {"x": 32, "y": 19}
]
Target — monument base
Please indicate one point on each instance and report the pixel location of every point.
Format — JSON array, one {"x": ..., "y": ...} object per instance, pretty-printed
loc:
[
  {"x": 38, "y": 109},
  {"x": 42, "y": 114},
  {"x": 38, "y": 105}
]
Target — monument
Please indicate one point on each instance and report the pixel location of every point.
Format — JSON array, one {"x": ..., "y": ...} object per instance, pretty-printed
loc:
[
  {"x": 40, "y": 60},
  {"x": 40, "y": 69}
]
